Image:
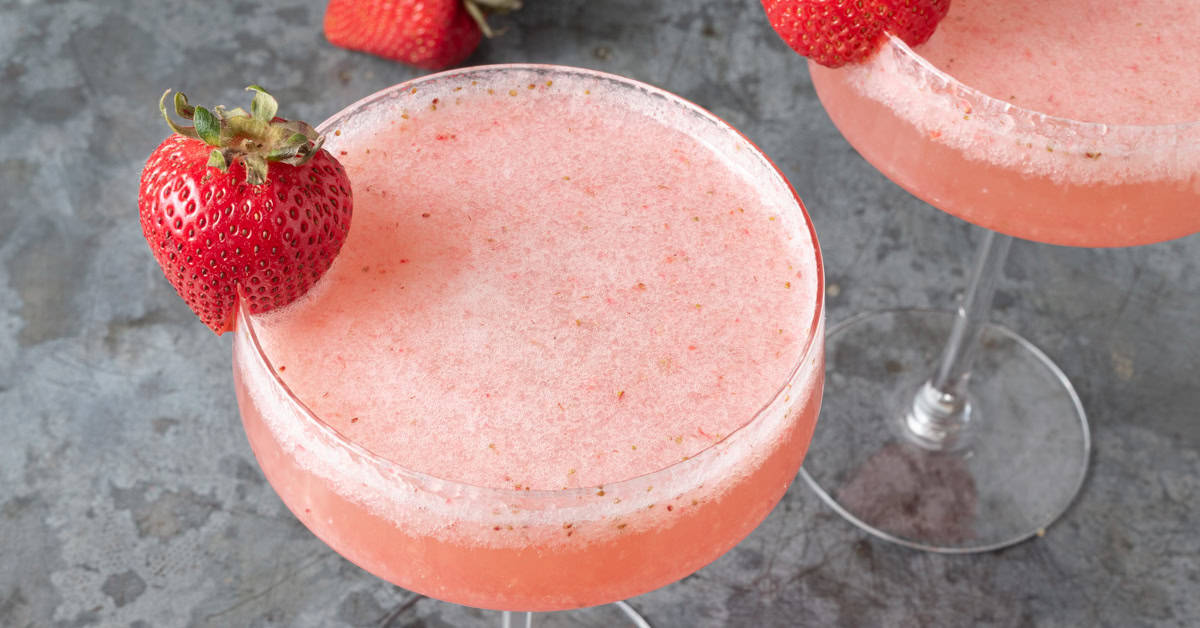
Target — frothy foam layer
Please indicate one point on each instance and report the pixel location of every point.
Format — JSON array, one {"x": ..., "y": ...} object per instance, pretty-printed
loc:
[
  {"x": 525, "y": 306},
  {"x": 1131, "y": 62},
  {"x": 1011, "y": 92},
  {"x": 425, "y": 506}
]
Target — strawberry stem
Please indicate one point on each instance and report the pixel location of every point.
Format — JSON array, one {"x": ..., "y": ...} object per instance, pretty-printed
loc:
[
  {"x": 480, "y": 9},
  {"x": 254, "y": 138}
]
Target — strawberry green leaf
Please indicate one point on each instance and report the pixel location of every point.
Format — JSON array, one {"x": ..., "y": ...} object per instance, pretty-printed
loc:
[
  {"x": 283, "y": 154},
  {"x": 185, "y": 131},
  {"x": 241, "y": 126},
  {"x": 256, "y": 169},
  {"x": 208, "y": 126},
  {"x": 264, "y": 106},
  {"x": 293, "y": 146},
  {"x": 216, "y": 159},
  {"x": 296, "y": 139},
  {"x": 182, "y": 107}
]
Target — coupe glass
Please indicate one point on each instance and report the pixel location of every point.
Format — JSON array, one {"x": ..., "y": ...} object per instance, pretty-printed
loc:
[
  {"x": 950, "y": 433},
  {"x": 518, "y": 550}
]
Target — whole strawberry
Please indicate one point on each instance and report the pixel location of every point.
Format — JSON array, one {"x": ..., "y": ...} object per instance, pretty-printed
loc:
[
  {"x": 836, "y": 32},
  {"x": 242, "y": 205},
  {"x": 429, "y": 34}
]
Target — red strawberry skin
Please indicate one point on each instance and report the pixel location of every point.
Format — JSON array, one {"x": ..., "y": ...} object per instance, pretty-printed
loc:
[
  {"x": 429, "y": 34},
  {"x": 836, "y": 32},
  {"x": 215, "y": 235},
  {"x": 916, "y": 20}
]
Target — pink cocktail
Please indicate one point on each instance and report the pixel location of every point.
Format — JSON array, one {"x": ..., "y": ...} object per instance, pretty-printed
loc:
[
  {"x": 1067, "y": 122},
  {"x": 570, "y": 352},
  {"x": 1072, "y": 122}
]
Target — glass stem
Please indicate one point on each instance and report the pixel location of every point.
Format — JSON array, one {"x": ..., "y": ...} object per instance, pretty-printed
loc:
[
  {"x": 506, "y": 620},
  {"x": 941, "y": 411}
]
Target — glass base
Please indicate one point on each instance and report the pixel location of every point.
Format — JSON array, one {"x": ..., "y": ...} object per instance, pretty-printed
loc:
[
  {"x": 615, "y": 615},
  {"x": 1012, "y": 471},
  {"x": 421, "y": 610}
]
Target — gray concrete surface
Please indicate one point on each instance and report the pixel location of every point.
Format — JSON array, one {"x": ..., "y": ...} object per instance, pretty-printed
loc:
[{"x": 129, "y": 497}]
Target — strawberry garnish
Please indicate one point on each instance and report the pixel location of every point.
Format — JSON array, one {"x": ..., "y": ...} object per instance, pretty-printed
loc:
[
  {"x": 836, "y": 32},
  {"x": 430, "y": 34},
  {"x": 242, "y": 204}
]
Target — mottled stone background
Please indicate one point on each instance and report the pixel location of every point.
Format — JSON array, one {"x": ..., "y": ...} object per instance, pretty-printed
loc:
[{"x": 129, "y": 497}]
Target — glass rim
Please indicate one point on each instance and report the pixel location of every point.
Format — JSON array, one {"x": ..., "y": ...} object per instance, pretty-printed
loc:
[
  {"x": 899, "y": 47},
  {"x": 243, "y": 320}
]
